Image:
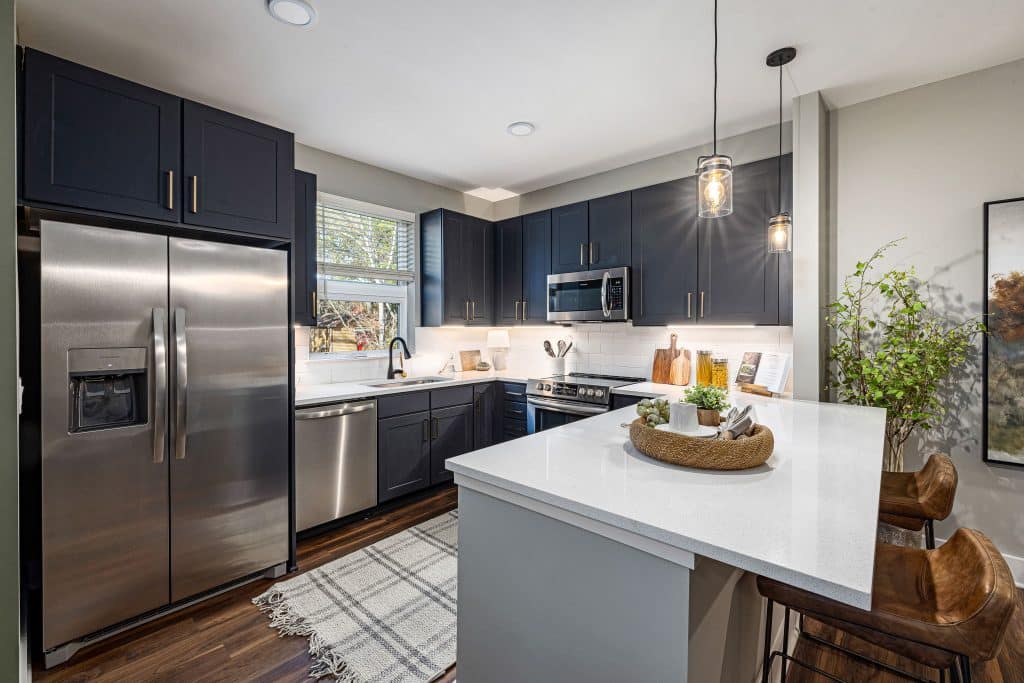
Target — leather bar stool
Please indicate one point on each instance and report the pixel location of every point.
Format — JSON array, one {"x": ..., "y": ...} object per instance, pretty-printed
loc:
[
  {"x": 942, "y": 608},
  {"x": 912, "y": 500}
]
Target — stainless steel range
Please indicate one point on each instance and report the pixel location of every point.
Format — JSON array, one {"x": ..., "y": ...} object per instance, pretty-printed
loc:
[{"x": 555, "y": 401}]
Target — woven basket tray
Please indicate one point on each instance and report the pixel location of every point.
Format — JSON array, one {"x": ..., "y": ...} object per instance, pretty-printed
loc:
[{"x": 707, "y": 454}]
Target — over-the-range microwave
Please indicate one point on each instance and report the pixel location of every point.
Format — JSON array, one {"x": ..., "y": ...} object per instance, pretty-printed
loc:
[{"x": 589, "y": 296}]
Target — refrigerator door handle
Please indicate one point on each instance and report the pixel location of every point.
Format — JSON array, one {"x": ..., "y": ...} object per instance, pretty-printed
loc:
[
  {"x": 159, "y": 384},
  {"x": 181, "y": 384}
]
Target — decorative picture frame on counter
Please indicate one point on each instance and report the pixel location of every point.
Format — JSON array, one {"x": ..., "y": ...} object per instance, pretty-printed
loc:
[{"x": 1002, "y": 373}]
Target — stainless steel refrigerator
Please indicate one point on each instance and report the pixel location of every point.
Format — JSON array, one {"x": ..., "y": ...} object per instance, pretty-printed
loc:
[{"x": 164, "y": 425}]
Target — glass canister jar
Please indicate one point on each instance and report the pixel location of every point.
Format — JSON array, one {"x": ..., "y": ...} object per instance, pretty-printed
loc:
[
  {"x": 703, "y": 368},
  {"x": 720, "y": 372}
]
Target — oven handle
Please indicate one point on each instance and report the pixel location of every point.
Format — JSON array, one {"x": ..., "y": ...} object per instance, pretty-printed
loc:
[
  {"x": 605, "y": 308},
  {"x": 566, "y": 406}
]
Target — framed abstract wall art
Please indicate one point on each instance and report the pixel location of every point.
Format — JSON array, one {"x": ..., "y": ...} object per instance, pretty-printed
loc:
[{"x": 1003, "y": 365}]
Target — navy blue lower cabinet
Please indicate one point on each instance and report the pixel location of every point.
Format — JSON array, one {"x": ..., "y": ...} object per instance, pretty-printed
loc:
[
  {"x": 403, "y": 455},
  {"x": 98, "y": 142},
  {"x": 451, "y": 435}
]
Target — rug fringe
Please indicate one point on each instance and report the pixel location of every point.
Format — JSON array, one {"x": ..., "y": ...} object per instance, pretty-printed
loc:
[{"x": 288, "y": 623}]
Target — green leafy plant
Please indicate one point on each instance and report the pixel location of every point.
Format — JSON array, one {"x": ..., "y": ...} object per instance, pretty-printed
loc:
[
  {"x": 890, "y": 351},
  {"x": 706, "y": 397}
]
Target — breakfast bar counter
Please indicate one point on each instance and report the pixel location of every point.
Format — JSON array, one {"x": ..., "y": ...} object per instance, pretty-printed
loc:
[{"x": 550, "y": 523}]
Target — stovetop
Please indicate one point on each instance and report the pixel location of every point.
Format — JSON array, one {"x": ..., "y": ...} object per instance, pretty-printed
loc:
[{"x": 579, "y": 386}]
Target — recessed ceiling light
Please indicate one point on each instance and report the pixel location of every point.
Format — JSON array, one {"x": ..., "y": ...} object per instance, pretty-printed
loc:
[
  {"x": 292, "y": 12},
  {"x": 520, "y": 128}
]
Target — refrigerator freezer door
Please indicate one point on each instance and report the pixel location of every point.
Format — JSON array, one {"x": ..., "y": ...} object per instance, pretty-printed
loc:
[
  {"x": 229, "y": 471},
  {"x": 104, "y": 478}
]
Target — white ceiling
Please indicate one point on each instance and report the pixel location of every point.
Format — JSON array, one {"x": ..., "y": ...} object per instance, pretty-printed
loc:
[{"x": 427, "y": 87}]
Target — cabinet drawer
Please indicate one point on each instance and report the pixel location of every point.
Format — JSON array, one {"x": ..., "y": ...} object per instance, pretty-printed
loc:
[
  {"x": 402, "y": 404},
  {"x": 513, "y": 429},
  {"x": 453, "y": 396},
  {"x": 514, "y": 392},
  {"x": 515, "y": 411}
]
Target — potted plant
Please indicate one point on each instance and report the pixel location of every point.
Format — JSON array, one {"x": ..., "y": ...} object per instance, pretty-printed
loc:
[
  {"x": 710, "y": 402},
  {"x": 890, "y": 351}
]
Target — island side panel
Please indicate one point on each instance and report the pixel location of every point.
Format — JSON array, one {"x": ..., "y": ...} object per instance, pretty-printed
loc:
[{"x": 541, "y": 600}]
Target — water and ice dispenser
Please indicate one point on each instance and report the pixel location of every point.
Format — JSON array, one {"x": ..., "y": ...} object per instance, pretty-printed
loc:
[{"x": 106, "y": 388}]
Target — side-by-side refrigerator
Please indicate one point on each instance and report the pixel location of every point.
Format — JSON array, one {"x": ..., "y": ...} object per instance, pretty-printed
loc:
[{"x": 164, "y": 423}]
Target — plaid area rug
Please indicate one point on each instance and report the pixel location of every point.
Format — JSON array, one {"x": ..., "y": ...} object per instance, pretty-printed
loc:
[{"x": 383, "y": 613}]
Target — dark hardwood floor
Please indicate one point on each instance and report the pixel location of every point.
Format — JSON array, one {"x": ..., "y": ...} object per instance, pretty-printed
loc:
[{"x": 227, "y": 639}]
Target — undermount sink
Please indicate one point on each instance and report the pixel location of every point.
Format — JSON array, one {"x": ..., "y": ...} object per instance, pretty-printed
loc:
[{"x": 407, "y": 382}]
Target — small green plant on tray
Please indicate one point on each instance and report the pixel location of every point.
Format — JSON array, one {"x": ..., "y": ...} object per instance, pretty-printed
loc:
[{"x": 706, "y": 397}]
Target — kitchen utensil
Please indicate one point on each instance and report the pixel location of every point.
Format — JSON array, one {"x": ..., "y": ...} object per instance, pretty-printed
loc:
[
  {"x": 547, "y": 347},
  {"x": 561, "y": 348},
  {"x": 469, "y": 359},
  {"x": 661, "y": 370},
  {"x": 567, "y": 347},
  {"x": 679, "y": 374}
]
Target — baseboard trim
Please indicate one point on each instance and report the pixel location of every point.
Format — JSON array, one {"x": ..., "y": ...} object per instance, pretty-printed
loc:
[{"x": 1015, "y": 563}]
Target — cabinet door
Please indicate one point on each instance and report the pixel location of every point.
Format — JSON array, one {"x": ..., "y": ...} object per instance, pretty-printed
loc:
[
  {"x": 536, "y": 266},
  {"x": 508, "y": 272},
  {"x": 665, "y": 253},
  {"x": 403, "y": 455},
  {"x": 569, "y": 238},
  {"x": 304, "y": 250},
  {"x": 785, "y": 259},
  {"x": 238, "y": 173},
  {"x": 739, "y": 279},
  {"x": 479, "y": 264},
  {"x": 609, "y": 245},
  {"x": 455, "y": 278},
  {"x": 485, "y": 410},
  {"x": 94, "y": 141},
  {"x": 451, "y": 435}
]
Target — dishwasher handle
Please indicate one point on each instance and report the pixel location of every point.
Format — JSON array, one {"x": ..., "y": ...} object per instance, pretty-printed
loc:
[{"x": 334, "y": 411}]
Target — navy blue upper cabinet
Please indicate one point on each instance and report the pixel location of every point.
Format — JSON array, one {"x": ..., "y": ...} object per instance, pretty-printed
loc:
[
  {"x": 99, "y": 142},
  {"x": 609, "y": 243},
  {"x": 238, "y": 173},
  {"x": 569, "y": 237},
  {"x": 457, "y": 265},
  {"x": 665, "y": 253},
  {"x": 508, "y": 271},
  {"x": 536, "y": 266},
  {"x": 739, "y": 278},
  {"x": 304, "y": 250}
]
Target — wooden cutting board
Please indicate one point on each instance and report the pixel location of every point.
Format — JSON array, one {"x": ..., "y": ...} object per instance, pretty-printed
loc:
[
  {"x": 661, "y": 370},
  {"x": 680, "y": 371}
]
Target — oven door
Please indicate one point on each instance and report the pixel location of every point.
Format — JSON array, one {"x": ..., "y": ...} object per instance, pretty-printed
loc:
[
  {"x": 591, "y": 296},
  {"x": 545, "y": 413}
]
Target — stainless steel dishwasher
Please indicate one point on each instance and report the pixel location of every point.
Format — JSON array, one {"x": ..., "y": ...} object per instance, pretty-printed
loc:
[{"x": 335, "y": 461}]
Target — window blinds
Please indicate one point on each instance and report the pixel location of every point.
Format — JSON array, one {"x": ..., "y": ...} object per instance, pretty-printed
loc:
[{"x": 353, "y": 245}]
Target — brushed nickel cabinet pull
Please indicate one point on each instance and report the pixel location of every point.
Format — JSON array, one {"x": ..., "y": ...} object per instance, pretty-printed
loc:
[
  {"x": 591, "y": 246},
  {"x": 467, "y": 309},
  {"x": 525, "y": 301},
  {"x": 170, "y": 190},
  {"x": 315, "y": 308},
  {"x": 517, "y": 308},
  {"x": 426, "y": 430},
  {"x": 195, "y": 194},
  {"x": 583, "y": 257},
  {"x": 689, "y": 305},
  {"x": 435, "y": 429},
  {"x": 472, "y": 305},
  {"x": 702, "y": 304}
]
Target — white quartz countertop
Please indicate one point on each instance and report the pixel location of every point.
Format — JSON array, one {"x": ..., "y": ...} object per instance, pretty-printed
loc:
[
  {"x": 320, "y": 394},
  {"x": 807, "y": 517}
]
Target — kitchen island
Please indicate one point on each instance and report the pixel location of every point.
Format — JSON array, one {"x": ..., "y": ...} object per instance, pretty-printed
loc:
[{"x": 582, "y": 559}]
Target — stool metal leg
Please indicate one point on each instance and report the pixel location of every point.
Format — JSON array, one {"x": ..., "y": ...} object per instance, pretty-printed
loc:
[
  {"x": 965, "y": 663},
  {"x": 785, "y": 642},
  {"x": 766, "y": 662},
  {"x": 929, "y": 534}
]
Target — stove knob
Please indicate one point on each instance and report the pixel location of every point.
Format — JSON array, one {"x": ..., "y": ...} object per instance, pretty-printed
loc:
[
  {"x": 598, "y": 393},
  {"x": 584, "y": 392}
]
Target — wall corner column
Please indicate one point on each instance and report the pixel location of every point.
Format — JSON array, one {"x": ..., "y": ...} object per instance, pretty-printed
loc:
[{"x": 811, "y": 248}]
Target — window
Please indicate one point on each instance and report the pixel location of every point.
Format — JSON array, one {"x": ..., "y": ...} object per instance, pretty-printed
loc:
[{"x": 366, "y": 272}]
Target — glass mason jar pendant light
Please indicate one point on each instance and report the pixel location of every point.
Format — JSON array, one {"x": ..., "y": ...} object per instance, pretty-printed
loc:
[
  {"x": 780, "y": 226},
  {"x": 714, "y": 173}
]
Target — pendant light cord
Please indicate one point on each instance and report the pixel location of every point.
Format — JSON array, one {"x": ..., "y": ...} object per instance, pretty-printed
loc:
[
  {"x": 714, "y": 116},
  {"x": 780, "y": 140}
]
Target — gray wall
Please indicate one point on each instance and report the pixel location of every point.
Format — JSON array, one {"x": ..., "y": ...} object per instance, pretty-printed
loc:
[
  {"x": 920, "y": 164},
  {"x": 11, "y": 645},
  {"x": 355, "y": 180},
  {"x": 752, "y": 146}
]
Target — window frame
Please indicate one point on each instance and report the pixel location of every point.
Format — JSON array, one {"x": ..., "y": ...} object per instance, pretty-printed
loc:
[{"x": 341, "y": 290}]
